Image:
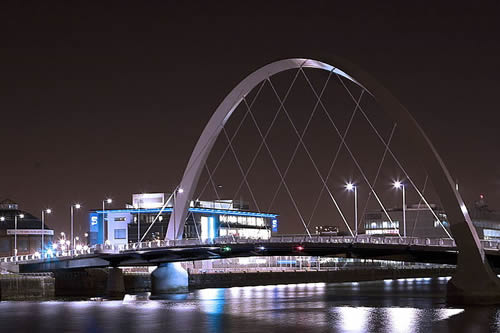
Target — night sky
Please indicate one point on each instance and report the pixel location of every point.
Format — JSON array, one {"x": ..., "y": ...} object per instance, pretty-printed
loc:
[{"x": 103, "y": 100}]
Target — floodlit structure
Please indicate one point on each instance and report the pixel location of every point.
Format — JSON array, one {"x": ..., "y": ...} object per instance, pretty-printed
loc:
[
  {"x": 464, "y": 285},
  {"x": 148, "y": 216}
]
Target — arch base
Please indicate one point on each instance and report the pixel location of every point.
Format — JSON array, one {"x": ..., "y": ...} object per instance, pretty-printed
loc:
[{"x": 470, "y": 289}]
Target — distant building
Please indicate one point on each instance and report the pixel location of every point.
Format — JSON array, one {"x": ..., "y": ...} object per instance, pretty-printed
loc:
[
  {"x": 28, "y": 230},
  {"x": 424, "y": 222},
  {"x": 206, "y": 220},
  {"x": 327, "y": 230}
]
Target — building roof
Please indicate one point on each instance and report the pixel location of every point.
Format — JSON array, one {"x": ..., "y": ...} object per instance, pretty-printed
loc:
[{"x": 29, "y": 221}]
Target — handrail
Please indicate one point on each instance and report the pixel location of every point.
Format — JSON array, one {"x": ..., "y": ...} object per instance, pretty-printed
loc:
[{"x": 360, "y": 239}]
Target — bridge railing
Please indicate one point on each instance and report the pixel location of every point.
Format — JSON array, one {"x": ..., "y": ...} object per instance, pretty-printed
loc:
[{"x": 362, "y": 239}]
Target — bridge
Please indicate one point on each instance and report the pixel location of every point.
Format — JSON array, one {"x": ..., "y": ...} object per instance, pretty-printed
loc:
[
  {"x": 154, "y": 253},
  {"x": 474, "y": 281}
]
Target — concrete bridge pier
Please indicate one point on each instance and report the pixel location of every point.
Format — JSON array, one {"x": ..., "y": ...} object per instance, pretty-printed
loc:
[
  {"x": 169, "y": 278},
  {"x": 115, "y": 287}
]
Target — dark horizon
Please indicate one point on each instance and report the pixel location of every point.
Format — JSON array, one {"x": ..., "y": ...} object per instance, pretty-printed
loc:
[{"x": 93, "y": 96}]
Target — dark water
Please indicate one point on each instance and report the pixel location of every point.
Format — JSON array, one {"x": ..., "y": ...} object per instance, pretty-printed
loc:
[{"x": 411, "y": 305}]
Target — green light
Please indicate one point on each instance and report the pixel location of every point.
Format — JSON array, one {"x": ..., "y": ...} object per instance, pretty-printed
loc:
[{"x": 225, "y": 249}]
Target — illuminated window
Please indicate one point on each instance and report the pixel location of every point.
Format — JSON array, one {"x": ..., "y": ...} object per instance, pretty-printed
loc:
[{"x": 120, "y": 233}]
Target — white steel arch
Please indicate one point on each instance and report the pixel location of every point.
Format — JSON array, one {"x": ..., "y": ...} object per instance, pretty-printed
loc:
[{"x": 471, "y": 256}]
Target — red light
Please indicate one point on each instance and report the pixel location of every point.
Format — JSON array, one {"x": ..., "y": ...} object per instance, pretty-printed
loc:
[
  {"x": 299, "y": 248},
  {"x": 481, "y": 196}
]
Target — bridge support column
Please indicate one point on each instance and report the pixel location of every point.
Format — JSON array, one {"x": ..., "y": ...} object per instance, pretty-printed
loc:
[
  {"x": 470, "y": 288},
  {"x": 169, "y": 278},
  {"x": 115, "y": 285},
  {"x": 474, "y": 282}
]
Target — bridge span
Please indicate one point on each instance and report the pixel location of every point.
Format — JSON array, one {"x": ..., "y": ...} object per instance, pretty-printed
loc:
[{"x": 155, "y": 253}]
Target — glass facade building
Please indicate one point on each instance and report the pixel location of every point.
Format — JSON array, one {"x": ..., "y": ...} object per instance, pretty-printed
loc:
[{"x": 148, "y": 216}]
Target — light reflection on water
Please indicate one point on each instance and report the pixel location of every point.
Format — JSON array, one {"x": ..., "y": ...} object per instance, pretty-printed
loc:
[{"x": 404, "y": 305}]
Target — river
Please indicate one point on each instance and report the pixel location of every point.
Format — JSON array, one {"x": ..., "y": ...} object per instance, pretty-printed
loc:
[{"x": 405, "y": 305}]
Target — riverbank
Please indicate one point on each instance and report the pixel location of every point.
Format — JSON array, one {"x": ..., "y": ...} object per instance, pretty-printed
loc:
[
  {"x": 92, "y": 282},
  {"x": 199, "y": 280}
]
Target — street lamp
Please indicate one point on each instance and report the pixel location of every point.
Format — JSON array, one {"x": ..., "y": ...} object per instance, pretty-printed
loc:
[
  {"x": 104, "y": 202},
  {"x": 352, "y": 187},
  {"x": 77, "y": 206},
  {"x": 21, "y": 216},
  {"x": 48, "y": 211},
  {"x": 399, "y": 185}
]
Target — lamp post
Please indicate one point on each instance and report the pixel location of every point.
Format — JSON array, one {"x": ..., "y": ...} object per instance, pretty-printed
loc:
[
  {"x": 400, "y": 185},
  {"x": 104, "y": 225},
  {"x": 77, "y": 206},
  {"x": 352, "y": 187},
  {"x": 21, "y": 216},
  {"x": 48, "y": 211}
]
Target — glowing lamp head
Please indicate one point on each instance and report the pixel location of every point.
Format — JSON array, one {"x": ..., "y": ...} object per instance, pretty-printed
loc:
[
  {"x": 349, "y": 186},
  {"x": 397, "y": 184},
  {"x": 109, "y": 200},
  {"x": 181, "y": 190},
  {"x": 78, "y": 206},
  {"x": 48, "y": 211},
  {"x": 21, "y": 216},
  {"x": 2, "y": 218}
]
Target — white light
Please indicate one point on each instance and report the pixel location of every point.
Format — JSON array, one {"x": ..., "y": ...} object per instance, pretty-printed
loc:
[
  {"x": 2, "y": 218},
  {"x": 49, "y": 252},
  {"x": 78, "y": 206},
  {"x": 85, "y": 247},
  {"x": 62, "y": 233},
  {"x": 109, "y": 200},
  {"x": 62, "y": 242},
  {"x": 37, "y": 254},
  {"x": 78, "y": 247},
  {"x": 77, "y": 238},
  {"x": 349, "y": 186},
  {"x": 48, "y": 210},
  {"x": 21, "y": 216},
  {"x": 397, "y": 184},
  {"x": 54, "y": 246},
  {"x": 86, "y": 234},
  {"x": 68, "y": 242},
  {"x": 181, "y": 190}
]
